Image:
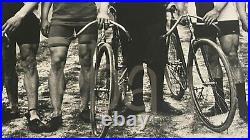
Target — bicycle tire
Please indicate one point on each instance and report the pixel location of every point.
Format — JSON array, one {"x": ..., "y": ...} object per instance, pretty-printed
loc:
[
  {"x": 224, "y": 119},
  {"x": 106, "y": 50},
  {"x": 175, "y": 71}
]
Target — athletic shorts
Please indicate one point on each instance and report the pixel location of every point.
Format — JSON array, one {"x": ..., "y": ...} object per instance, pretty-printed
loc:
[
  {"x": 28, "y": 32},
  {"x": 59, "y": 35},
  {"x": 226, "y": 27}
]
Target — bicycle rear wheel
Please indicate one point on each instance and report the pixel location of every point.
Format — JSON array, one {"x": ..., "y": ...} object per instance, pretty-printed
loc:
[
  {"x": 104, "y": 89},
  {"x": 175, "y": 72},
  {"x": 211, "y": 85}
]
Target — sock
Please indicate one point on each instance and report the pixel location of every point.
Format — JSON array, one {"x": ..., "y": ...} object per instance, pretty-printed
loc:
[{"x": 241, "y": 95}]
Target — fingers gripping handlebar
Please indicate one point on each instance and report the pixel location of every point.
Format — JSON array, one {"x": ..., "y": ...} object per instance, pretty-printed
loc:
[{"x": 189, "y": 16}]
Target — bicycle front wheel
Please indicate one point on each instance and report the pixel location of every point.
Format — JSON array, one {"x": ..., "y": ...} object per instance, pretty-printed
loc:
[
  {"x": 104, "y": 89},
  {"x": 175, "y": 72},
  {"x": 211, "y": 85}
]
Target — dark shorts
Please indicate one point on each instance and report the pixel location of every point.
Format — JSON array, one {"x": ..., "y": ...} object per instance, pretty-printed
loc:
[
  {"x": 59, "y": 35},
  {"x": 226, "y": 27},
  {"x": 28, "y": 32}
]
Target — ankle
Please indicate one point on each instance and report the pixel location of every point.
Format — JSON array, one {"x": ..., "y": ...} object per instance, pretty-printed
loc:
[
  {"x": 14, "y": 109},
  {"x": 84, "y": 107},
  {"x": 137, "y": 103},
  {"x": 56, "y": 114}
]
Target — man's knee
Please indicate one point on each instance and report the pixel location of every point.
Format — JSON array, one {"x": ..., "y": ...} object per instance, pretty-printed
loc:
[
  {"x": 233, "y": 59},
  {"x": 58, "y": 62},
  {"x": 29, "y": 64},
  {"x": 85, "y": 55}
]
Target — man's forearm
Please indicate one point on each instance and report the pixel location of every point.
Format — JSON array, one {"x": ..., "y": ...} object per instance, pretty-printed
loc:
[
  {"x": 241, "y": 7},
  {"x": 28, "y": 7},
  {"x": 219, "y": 6},
  {"x": 45, "y": 10}
]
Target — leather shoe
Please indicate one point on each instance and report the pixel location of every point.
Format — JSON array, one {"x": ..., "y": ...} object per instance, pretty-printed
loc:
[{"x": 166, "y": 108}]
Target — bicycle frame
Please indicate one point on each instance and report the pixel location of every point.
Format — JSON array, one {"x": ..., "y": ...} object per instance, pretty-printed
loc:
[{"x": 190, "y": 26}]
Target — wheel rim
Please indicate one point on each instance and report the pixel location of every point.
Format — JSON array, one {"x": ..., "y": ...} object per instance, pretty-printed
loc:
[
  {"x": 175, "y": 70},
  {"x": 102, "y": 94},
  {"x": 207, "y": 91}
]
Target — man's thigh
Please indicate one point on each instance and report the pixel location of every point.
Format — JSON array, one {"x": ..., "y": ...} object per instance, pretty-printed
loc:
[
  {"x": 230, "y": 35},
  {"x": 59, "y": 35},
  {"x": 87, "y": 43},
  {"x": 229, "y": 43},
  {"x": 88, "y": 36}
]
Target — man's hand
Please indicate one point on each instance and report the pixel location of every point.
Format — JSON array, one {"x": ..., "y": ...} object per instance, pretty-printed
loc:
[
  {"x": 12, "y": 24},
  {"x": 103, "y": 19},
  {"x": 211, "y": 16},
  {"x": 102, "y": 16},
  {"x": 45, "y": 28}
]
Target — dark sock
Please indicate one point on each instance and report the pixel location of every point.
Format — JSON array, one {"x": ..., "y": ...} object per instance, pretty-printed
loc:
[{"x": 241, "y": 95}]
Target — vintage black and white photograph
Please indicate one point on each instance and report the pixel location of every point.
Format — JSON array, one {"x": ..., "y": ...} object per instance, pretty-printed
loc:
[{"x": 125, "y": 69}]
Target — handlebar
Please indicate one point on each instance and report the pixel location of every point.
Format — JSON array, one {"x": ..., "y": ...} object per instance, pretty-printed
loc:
[
  {"x": 189, "y": 16},
  {"x": 95, "y": 22}
]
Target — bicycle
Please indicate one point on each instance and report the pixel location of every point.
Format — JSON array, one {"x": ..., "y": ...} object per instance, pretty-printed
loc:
[
  {"x": 175, "y": 72},
  {"x": 104, "y": 94},
  {"x": 201, "y": 82}
]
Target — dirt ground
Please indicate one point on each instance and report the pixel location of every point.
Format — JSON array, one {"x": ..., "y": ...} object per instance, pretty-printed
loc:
[{"x": 186, "y": 125}]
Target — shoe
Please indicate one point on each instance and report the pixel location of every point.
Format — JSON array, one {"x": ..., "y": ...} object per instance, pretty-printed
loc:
[
  {"x": 166, "y": 108},
  {"x": 214, "y": 110},
  {"x": 131, "y": 109},
  {"x": 243, "y": 112},
  {"x": 36, "y": 125},
  {"x": 84, "y": 115},
  {"x": 119, "y": 107},
  {"x": 54, "y": 124},
  {"x": 244, "y": 118},
  {"x": 8, "y": 115}
]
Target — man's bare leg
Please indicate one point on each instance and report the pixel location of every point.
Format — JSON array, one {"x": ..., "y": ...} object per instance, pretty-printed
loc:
[
  {"x": 28, "y": 61},
  {"x": 230, "y": 44},
  {"x": 57, "y": 79},
  {"x": 85, "y": 57}
]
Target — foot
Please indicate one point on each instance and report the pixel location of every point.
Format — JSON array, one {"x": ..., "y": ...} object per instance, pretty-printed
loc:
[
  {"x": 54, "y": 124},
  {"x": 131, "y": 109},
  {"x": 120, "y": 106},
  {"x": 9, "y": 115},
  {"x": 85, "y": 115},
  {"x": 244, "y": 118},
  {"x": 243, "y": 113},
  {"x": 35, "y": 125},
  {"x": 214, "y": 110},
  {"x": 166, "y": 108}
]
